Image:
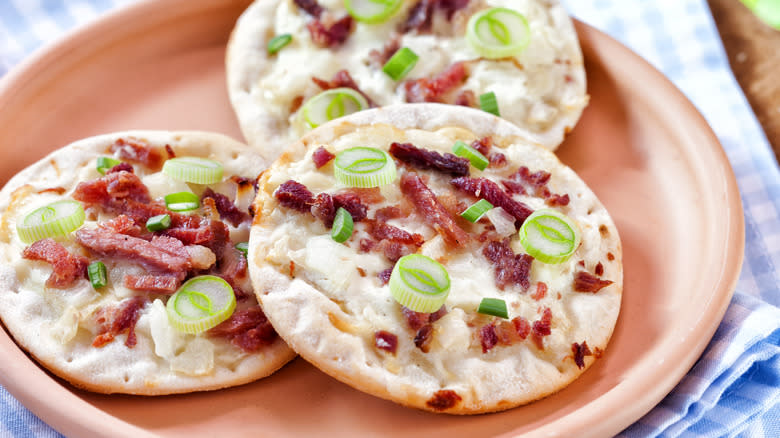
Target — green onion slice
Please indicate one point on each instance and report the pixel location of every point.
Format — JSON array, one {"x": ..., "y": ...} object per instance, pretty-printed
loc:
[
  {"x": 104, "y": 164},
  {"x": 56, "y": 219},
  {"x": 194, "y": 170},
  {"x": 489, "y": 104},
  {"x": 332, "y": 104},
  {"x": 97, "y": 274},
  {"x": 200, "y": 304},
  {"x": 419, "y": 283},
  {"x": 364, "y": 167},
  {"x": 342, "y": 226},
  {"x": 182, "y": 201},
  {"x": 159, "y": 222},
  {"x": 549, "y": 236},
  {"x": 278, "y": 42},
  {"x": 400, "y": 64},
  {"x": 372, "y": 11},
  {"x": 493, "y": 306},
  {"x": 476, "y": 210},
  {"x": 498, "y": 33},
  {"x": 243, "y": 247},
  {"x": 476, "y": 158}
]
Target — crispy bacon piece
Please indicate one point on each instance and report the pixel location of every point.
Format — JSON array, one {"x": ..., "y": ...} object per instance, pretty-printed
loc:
[
  {"x": 511, "y": 332},
  {"x": 138, "y": 151},
  {"x": 386, "y": 341},
  {"x": 127, "y": 167},
  {"x": 120, "y": 193},
  {"x": 433, "y": 212},
  {"x": 321, "y": 157},
  {"x": 587, "y": 282},
  {"x": 537, "y": 182},
  {"x": 483, "y": 145},
  {"x": 226, "y": 208},
  {"x": 123, "y": 224},
  {"x": 443, "y": 399},
  {"x": 159, "y": 254},
  {"x": 488, "y": 337},
  {"x": 466, "y": 98},
  {"x": 384, "y": 276},
  {"x": 382, "y": 231},
  {"x": 324, "y": 209},
  {"x": 580, "y": 351},
  {"x": 342, "y": 79},
  {"x": 384, "y": 214},
  {"x": 192, "y": 230},
  {"x": 425, "y": 159},
  {"x": 509, "y": 268},
  {"x": 416, "y": 320},
  {"x": 295, "y": 195},
  {"x": 325, "y": 206},
  {"x": 522, "y": 326},
  {"x": 556, "y": 200},
  {"x": 393, "y": 250},
  {"x": 378, "y": 58},
  {"x": 421, "y": 14},
  {"x": 498, "y": 160},
  {"x": 248, "y": 329},
  {"x": 310, "y": 6},
  {"x": 118, "y": 319},
  {"x": 66, "y": 267},
  {"x": 541, "y": 291},
  {"x": 486, "y": 189},
  {"x": 162, "y": 283},
  {"x": 333, "y": 35},
  {"x": 435, "y": 88},
  {"x": 542, "y": 328},
  {"x": 423, "y": 337},
  {"x": 232, "y": 266}
]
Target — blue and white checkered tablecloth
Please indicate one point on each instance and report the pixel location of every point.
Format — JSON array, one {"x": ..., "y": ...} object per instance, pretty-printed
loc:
[{"x": 734, "y": 389}]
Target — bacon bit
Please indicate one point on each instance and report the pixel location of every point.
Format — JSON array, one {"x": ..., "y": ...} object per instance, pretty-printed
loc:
[
  {"x": 321, "y": 157},
  {"x": 165, "y": 284},
  {"x": 542, "y": 328},
  {"x": 555, "y": 200},
  {"x": 466, "y": 98},
  {"x": 123, "y": 224},
  {"x": 379, "y": 58},
  {"x": 416, "y": 320},
  {"x": 310, "y": 6},
  {"x": 56, "y": 190},
  {"x": 486, "y": 189},
  {"x": 580, "y": 351},
  {"x": 422, "y": 339},
  {"x": 522, "y": 326},
  {"x": 538, "y": 182},
  {"x": 194, "y": 231},
  {"x": 325, "y": 206},
  {"x": 294, "y": 195},
  {"x": 498, "y": 160},
  {"x": 393, "y": 250},
  {"x": 509, "y": 268},
  {"x": 421, "y": 14},
  {"x": 425, "y": 159},
  {"x": 382, "y": 231},
  {"x": 226, "y": 208},
  {"x": 127, "y": 167},
  {"x": 541, "y": 291},
  {"x": 610, "y": 256},
  {"x": 247, "y": 329},
  {"x": 435, "y": 88},
  {"x": 330, "y": 36},
  {"x": 351, "y": 202},
  {"x": 120, "y": 193},
  {"x": 513, "y": 187},
  {"x": 66, "y": 267},
  {"x": 386, "y": 341},
  {"x": 488, "y": 337},
  {"x": 587, "y": 282},
  {"x": 324, "y": 209},
  {"x": 443, "y": 399},
  {"x": 581, "y": 263},
  {"x": 366, "y": 245},
  {"x": 169, "y": 151},
  {"x": 384, "y": 276},
  {"x": 384, "y": 214},
  {"x": 155, "y": 255},
  {"x": 599, "y": 270},
  {"x": 118, "y": 319},
  {"x": 483, "y": 145},
  {"x": 138, "y": 151},
  {"x": 433, "y": 212},
  {"x": 506, "y": 332},
  {"x": 342, "y": 79}
]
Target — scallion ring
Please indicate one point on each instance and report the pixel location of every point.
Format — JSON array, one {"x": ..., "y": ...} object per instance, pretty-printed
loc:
[
  {"x": 56, "y": 219},
  {"x": 419, "y": 283},
  {"x": 104, "y": 164},
  {"x": 194, "y": 170},
  {"x": 498, "y": 33},
  {"x": 493, "y": 306},
  {"x": 372, "y": 11},
  {"x": 278, "y": 42},
  {"x": 489, "y": 103},
  {"x": 182, "y": 201},
  {"x": 364, "y": 167},
  {"x": 332, "y": 104},
  {"x": 549, "y": 236},
  {"x": 96, "y": 271},
  {"x": 400, "y": 64},
  {"x": 342, "y": 226},
  {"x": 200, "y": 304},
  {"x": 476, "y": 158},
  {"x": 243, "y": 247},
  {"x": 476, "y": 210}
]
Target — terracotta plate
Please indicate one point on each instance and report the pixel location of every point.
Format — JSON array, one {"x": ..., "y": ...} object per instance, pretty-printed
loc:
[{"x": 642, "y": 147}]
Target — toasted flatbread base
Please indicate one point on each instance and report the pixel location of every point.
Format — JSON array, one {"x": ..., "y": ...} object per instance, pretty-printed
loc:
[
  {"x": 326, "y": 300},
  {"x": 43, "y": 321},
  {"x": 542, "y": 90}
]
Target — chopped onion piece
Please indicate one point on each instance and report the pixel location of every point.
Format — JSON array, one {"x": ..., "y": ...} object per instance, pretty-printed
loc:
[{"x": 502, "y": 221}]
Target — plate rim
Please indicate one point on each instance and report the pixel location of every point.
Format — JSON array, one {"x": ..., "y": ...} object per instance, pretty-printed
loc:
[{"x": 107, "y": 24}]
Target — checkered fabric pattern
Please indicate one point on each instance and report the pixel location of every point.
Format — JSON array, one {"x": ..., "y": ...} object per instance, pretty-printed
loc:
[{"x": 734, "y": 388}]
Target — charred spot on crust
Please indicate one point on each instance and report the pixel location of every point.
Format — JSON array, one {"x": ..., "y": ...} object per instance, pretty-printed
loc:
[{"x": 443, "y": 399}]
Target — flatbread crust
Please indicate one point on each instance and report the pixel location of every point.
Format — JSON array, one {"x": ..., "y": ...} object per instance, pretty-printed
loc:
[
  {"x": 326, "y": 300},
  {"x": 543, "y": 90},
  {"x": 54, "y": 326}
]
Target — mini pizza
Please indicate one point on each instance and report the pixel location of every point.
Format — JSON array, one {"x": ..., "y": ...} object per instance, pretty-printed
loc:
[
  {"x": 428, "y": 255},
  {"x": 123, "y": 264},
  {"x": 294, "y": 64}
]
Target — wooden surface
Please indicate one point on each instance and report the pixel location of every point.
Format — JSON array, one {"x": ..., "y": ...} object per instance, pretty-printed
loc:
[{"x": 754, "y": 54}]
